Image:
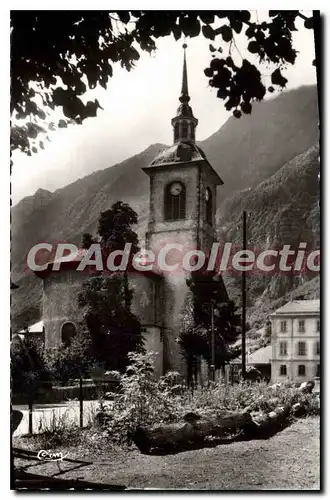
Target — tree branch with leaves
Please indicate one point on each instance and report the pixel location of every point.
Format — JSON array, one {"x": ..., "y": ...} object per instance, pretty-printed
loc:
[{"x": 58, "y": 56}]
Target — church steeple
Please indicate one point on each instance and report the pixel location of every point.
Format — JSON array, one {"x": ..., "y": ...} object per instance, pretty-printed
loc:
[
  {"x": 184, "y": 89},
  {"x": 184, "y": 123}
]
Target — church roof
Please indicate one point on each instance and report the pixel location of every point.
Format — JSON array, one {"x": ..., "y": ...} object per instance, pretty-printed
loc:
[
  {"x": 181, "y": 153},
  {"x": 78, "y": 257},
  {"x": 35, "y": 328}
]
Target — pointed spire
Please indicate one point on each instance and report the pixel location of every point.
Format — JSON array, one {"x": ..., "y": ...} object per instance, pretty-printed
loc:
[
  {"x": 184, "y": 89},
  {"x": 184, "y": 123}
]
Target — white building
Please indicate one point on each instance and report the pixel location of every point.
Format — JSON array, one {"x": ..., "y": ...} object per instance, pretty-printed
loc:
[{"x": 296, "y": 341}]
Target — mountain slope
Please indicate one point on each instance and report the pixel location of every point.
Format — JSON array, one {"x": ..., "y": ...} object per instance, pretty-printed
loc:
[
  {"x": 244, "y": 152},
  {"x": 283, "y": 210}
]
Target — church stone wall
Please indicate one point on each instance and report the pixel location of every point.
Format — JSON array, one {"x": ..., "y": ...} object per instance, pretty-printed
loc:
[
  {"x": 60, "y": 304},
  {"x": 153, "y": 342},
  {"x": 176, "y": 293}
]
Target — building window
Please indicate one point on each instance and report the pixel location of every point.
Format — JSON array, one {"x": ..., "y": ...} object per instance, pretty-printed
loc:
[
  {"x": 184, "y": 130},
  {"x": 283, "y": 348},
  {"x": 317, "y": 348},
  {"x": 175, "y": 201},
  {"x": 68, "y": 332},
  {"x": 283, "y": 326},
  {"x": 283, "y": 370},
  {"x": 192, "y": 131},
  {"x": 301, "y": 370},
  {"x": 317, "y": 371},
  {"x": 208, "y": 205},
  {"x": 301, "y": 326},
  {"x": 301, "y": 348},
  {"x": 318, "y": 325},
  {"x": 176, "y": 132}
]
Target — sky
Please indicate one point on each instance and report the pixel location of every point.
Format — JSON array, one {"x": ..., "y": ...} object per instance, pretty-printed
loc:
[{"x": 137, "y": 111}]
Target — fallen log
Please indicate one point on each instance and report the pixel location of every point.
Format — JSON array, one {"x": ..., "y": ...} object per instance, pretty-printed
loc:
[
  {"x": 192, "y": 431},
  {"x": 264, "y": 423}
]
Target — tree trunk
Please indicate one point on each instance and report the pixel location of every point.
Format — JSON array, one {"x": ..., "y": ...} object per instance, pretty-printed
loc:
[
  {"x": 193, "y": 430},
  {"x": 265, "y": 423}
]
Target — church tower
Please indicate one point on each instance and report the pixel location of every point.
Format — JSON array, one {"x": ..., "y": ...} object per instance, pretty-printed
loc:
[{"x": 182, "y": 186}]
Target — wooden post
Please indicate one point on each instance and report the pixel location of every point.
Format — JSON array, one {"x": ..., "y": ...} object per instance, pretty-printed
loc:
[
  {"x": 212, "y": 342},
  {"x": 81, "y": 402},
  {"x": 30, "y": 414},
  {"x": 244, "y": 303}
]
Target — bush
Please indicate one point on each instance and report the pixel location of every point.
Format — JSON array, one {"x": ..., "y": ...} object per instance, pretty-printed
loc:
[
  {"x": 28, "y": 369},
  {"x": 141, "y": 399},
  {"x": 69, "y": 362}
]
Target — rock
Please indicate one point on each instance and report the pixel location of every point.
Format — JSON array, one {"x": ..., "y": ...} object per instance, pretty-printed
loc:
[
  {"x": 298, "y": 410},
  {"x": 307, "y": 387}
]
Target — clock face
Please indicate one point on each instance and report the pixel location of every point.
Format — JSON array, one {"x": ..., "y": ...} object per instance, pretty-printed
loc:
[{"x": 176, "y": 188}]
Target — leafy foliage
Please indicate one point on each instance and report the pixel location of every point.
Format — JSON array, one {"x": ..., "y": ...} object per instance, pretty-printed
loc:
[
  {"x": 87, "y": 241},
  {"x": 196, "y": 332},
  {"x": 52, "y": 67},
  {"x": 28, "y": 369},
  {"x": 115, "y": 227},
  {"x": 72, "y": 361},
  {"x": 142, "y": 399},
  {"x": 114, "y": 329}
]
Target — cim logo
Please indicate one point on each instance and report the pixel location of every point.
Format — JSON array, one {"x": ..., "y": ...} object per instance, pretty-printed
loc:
[{"x": 48, "y": 456}]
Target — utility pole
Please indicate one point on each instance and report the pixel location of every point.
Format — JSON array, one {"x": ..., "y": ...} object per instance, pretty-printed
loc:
[
  {"x": 244, "y": 303},
  {"x": 212, "y": 341}
]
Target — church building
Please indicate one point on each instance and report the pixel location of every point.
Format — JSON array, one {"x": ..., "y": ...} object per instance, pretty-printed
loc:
[{"x": 183, "y": 190}]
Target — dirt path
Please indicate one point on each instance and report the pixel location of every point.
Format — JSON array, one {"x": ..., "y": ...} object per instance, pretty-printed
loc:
[{"x": 288, "y": 460}]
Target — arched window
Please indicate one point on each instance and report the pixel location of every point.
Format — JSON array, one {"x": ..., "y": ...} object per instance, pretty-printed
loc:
[
  {"x": 208, "y": 205},
  {"x": 175, "y": 201},
  {"x": 192, "y": 131},
  {"x": 68, "y": 332},
  {"x": 184, "y": 130}
]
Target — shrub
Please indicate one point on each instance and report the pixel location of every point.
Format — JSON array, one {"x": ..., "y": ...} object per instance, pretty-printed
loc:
[
  {"x": 69, "y": 362},
  {"x": 28, "y": 369},
  {"x": 141, "y": 399}
]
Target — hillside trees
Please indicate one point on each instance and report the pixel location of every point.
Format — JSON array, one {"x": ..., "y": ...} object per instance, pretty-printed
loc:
[{"x": 54, "y": 68}]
